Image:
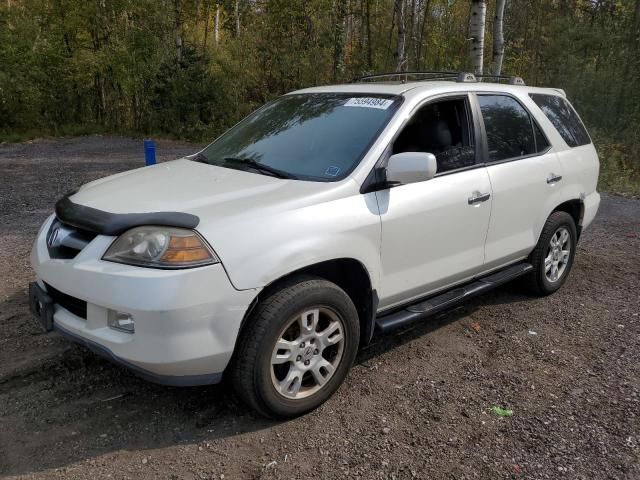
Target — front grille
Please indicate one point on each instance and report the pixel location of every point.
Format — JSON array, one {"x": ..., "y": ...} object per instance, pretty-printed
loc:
[
  {"x": 65, "y": 241},
  {"x": 74, "y": 305}
]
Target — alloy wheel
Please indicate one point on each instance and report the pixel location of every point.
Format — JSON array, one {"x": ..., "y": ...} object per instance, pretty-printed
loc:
[
  {"x": 558, "y": 254},
  {"x": 307, "y": 353}
]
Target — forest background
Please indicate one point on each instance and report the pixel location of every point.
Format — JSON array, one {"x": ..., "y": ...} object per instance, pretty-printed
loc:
[{"x": 191, "y": 68}]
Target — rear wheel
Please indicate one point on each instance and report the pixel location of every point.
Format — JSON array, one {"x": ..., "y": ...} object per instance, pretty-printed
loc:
[
  {"x": 553, "y": 256},
  {"x": 297, "y": 348}
]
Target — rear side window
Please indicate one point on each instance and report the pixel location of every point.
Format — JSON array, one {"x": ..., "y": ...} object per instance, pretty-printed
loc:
[
  {"x": 562, "y": 115},
  {"x": 509, "y": 128}
]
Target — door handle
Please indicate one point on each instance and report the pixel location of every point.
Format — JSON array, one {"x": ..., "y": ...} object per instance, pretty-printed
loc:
[
  {"x": 553, "y": 178},
  {"x": 479, "y": 198}
]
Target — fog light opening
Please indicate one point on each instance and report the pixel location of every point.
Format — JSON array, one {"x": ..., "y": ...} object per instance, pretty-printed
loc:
[{"x": 121, "y": 321}]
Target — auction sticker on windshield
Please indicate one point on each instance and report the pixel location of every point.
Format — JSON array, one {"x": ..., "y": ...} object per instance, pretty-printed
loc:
[{"x": 369, "y": 102}]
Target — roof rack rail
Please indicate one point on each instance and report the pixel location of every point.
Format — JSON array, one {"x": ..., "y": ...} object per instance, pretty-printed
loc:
[
  {"x": 512, "y": 80},
  {"x": 425, "y": 76},
  {"x": 466, "y": 77},
  {"x": 404, "y": 76}
]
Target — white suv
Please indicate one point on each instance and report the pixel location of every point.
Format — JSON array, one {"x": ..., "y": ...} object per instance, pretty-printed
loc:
[{"x": 328, "y": 215}]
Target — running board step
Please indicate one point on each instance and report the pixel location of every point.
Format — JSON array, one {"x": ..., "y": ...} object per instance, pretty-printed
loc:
[{"x": 443, "y": 301}]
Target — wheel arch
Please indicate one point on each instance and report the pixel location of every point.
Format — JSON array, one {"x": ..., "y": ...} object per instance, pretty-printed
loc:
[
  {"x": 575, "y": 208},
  {"x": 348, "y": 273}
]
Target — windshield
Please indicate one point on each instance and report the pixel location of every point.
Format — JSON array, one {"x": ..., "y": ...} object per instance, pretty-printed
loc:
[{"x": 317, "y": 136}]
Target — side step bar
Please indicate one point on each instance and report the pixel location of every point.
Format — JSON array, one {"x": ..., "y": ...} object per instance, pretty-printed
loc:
[{"x": 443, "y": 301}]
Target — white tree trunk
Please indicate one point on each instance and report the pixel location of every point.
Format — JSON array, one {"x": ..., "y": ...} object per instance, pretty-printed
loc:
[
  {"x": 402, "y": 35},
  {"x": 476, "y": 32},
  {"x": 498, "y": 37},
  {"x": 216, "y": 27},
  {"x": 237, "y": 15}
]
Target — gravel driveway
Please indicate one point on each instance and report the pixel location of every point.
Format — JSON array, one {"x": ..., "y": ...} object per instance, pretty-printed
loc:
[{"x": 416, "y": 405}]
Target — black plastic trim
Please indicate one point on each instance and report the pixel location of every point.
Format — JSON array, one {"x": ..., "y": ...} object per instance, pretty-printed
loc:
[
  {"x": 515, "y": 159},
  {"x": 421, "y": 309},
  {"x": 458, "y": 170},
  {"x": 370, "y": 325},
  {"x": 75, "y": 305},
  {"x": 106, "y": 223}
]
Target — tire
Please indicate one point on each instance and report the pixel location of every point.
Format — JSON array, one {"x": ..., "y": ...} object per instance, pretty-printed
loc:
[
  {"x": 541, "y": 280},
  {"x": 300, "y": 380}
]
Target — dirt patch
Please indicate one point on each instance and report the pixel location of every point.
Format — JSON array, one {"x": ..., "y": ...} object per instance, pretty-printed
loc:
[{"x": 416, "y": 405}]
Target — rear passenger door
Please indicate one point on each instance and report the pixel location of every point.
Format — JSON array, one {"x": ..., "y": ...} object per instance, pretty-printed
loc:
[{"x": 524, "y": 172}]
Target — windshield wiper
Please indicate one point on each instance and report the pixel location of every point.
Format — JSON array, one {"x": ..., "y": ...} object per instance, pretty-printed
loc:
[
  {"x": 261, "y": 167},
  {"x": 199, "y": 157}
]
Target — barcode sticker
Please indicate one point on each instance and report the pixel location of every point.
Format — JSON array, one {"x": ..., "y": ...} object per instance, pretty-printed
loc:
[{"x": 369, "y": 102}]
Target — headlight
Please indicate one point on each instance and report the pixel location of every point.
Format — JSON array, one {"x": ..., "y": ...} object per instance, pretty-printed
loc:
[{"x": 161, "y": 247}]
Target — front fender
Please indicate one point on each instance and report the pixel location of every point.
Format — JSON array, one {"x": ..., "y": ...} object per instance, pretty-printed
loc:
[{"x": 261, "y": 250}]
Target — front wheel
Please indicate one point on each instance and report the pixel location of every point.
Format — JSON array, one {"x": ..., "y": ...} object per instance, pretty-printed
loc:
[
  {"x": 553, "y": 256},
  {"x": 297, "y": 348}
]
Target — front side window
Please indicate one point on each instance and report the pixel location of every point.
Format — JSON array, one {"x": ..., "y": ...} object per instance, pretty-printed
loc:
[
  {"x": 562, "y": 115},
  {"x": 509, "y": 128},
  {"x": 316, "y": 136},
  {"x": 443, "y": 129}
]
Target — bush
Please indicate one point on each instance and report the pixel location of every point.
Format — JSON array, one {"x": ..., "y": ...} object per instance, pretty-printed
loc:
[{"x": 619, "y": 164}]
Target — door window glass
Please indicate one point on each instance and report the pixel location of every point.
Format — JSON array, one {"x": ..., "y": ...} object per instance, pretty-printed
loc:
[
  {"x": 443, "y": 129},
  {"x": 508, "y": 127}
]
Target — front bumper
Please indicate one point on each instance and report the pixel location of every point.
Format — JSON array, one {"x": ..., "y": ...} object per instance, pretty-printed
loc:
[{"x": 186, "y": 321}]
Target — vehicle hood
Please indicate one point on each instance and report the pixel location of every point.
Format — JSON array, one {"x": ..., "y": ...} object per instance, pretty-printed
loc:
[{"x": 210, "y": 192}]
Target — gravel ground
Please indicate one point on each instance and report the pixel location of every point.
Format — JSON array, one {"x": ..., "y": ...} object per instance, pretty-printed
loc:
[{"x": 416, "y": 404}]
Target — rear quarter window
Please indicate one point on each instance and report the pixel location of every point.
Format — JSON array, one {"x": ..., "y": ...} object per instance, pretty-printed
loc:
[{"x": 562, "y": 115}]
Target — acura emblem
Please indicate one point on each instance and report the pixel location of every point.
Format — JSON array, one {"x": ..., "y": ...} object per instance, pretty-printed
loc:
[{"x": 53, "y": 236}]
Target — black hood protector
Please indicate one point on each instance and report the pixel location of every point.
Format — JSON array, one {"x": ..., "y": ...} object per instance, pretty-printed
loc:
[{"x": 105, "y": 223}]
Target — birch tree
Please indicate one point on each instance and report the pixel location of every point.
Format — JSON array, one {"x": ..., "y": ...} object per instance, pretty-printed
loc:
[
  {"x": 339, "y": 38},
  {"x": 216, "y": 27},
  {"x": 476, "y": 32},
  {"x": 498, "y": 37},
  {"x": 236, "y": 11},
  {"x": 402, "y": 35}
]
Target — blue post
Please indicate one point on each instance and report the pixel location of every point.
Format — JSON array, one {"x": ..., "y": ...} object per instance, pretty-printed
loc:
[{"x": 149, "y": 152}]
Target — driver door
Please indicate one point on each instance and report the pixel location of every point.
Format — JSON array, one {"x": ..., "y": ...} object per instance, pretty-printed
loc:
[{"x": 433, "y": 232}]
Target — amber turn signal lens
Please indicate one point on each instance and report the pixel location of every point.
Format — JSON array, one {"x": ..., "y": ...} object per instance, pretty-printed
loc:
[
  {"x": 186, "y": 255},
  {"x": 180, "y": 243},
  {"x": 185, "y": 249}
]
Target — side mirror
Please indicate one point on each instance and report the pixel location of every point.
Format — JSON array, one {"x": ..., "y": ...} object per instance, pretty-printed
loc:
[{"x": 411, "y": 167}]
